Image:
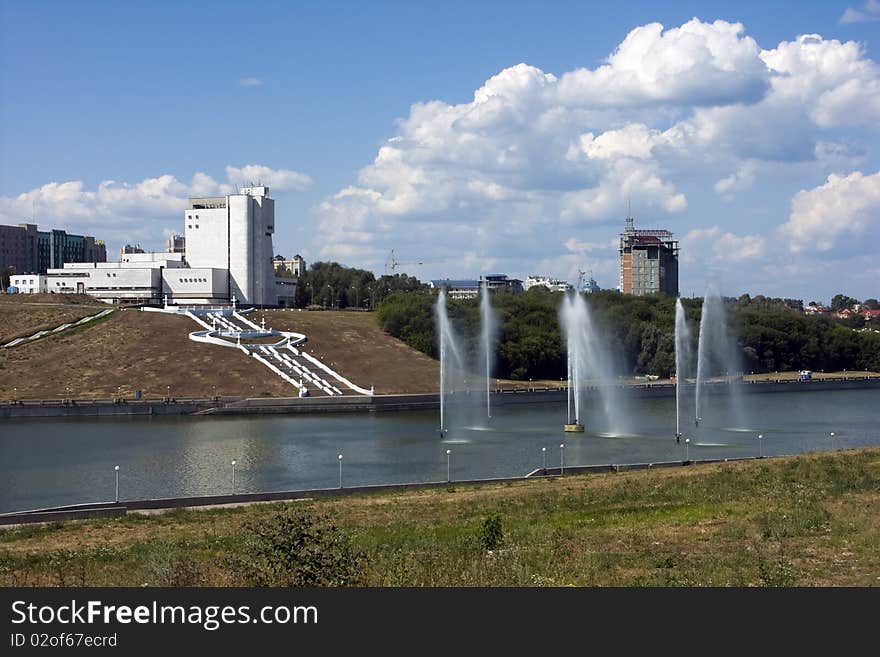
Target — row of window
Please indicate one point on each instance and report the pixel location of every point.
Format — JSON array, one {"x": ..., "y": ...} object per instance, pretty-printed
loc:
[{"x": 193, "y": 280}]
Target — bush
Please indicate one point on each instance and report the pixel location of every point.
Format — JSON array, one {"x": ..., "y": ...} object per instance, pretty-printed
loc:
[
  {"x": 491, "y": 533},
  {"x": 167, "y": 566},
  {"x": 296, "y": 548}
]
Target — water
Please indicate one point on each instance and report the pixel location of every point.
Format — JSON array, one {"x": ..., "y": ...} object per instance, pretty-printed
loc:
[
  {"x": 589, "y": 363},
  {"x": 683, "y": 358},
  {"x": 66, "y": 461}
]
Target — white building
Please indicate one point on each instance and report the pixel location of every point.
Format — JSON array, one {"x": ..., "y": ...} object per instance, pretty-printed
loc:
[
  {"x": 552, "y": 284},
  {"x": 234, "y": 233},
  {"x": 228, "y": 255},
  {"x": 28, "y": 283}
]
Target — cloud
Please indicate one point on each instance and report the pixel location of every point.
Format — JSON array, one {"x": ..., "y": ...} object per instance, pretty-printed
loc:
[
  {"x": 695, "y": 64},
  {"x": 250, "y": 82},
  {"x": 536, "y": 158},
  {"x": 279, "y": 179},
  {"x": 844, "y": 208},
  {"x": 870, "y": 11},
  {"x": 739, "y": 181},
  {"x": 128, "y": 212},
  {"x": 739, "y": 248}
]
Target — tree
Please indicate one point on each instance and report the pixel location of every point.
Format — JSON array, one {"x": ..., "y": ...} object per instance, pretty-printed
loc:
[
  {"x": 5, "y": 274},
  {"x": 871, "y": 304},
  {"x": 841, "y": 301}
]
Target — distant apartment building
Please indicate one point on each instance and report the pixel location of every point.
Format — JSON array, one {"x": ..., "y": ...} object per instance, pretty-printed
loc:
[
  {"x": 470, "y": 289},
  {"x": 128, "y": 249},
  {"x": 497, "y": 282},
  {"x": 296, "y": 267},
  {"x": 26, "y": 250},
  {"x": 176, "y": 244},
  {"x": 552, "y": 284},
  {"x": 648, "y": 261}
]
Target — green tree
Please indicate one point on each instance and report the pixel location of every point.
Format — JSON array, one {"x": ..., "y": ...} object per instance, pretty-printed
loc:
[{"x": 841, "y": 301}]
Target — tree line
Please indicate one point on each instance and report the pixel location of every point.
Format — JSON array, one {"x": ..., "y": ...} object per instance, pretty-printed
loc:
[
  {"x": 771, "y": 334},
  {"x": 331, "y": 285}
]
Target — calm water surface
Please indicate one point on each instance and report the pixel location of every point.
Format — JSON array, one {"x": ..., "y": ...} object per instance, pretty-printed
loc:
[{"x": 65, "y": 461}]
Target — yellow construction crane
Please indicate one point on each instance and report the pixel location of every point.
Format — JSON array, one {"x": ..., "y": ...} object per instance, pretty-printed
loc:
[{"x": 393, "y": 263}]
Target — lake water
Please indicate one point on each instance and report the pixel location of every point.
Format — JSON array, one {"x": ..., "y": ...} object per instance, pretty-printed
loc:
[{"x": 51, "y": 462}]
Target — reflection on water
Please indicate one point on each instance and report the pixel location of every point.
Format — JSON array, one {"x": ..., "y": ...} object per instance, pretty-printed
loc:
[{"x": 64, "y": 461}]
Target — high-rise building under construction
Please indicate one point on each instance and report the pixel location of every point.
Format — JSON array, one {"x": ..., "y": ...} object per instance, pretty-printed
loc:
[{"x": 648, "y": 261}]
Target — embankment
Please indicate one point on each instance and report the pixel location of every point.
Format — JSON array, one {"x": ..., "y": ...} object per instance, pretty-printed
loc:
[{"x": 379, "y": 403}]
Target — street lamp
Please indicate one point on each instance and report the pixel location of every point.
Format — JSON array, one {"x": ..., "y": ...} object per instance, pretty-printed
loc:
[
  {"x": 760, "y": 445},
  {"x": 116, "y": 470},
  {"x": 687, "y": 444},
  {"x": 544, "y": 456},
  {"x": 561, "y": 458},
  {"x": 448, "y": 465},
  {"x": 340, "y": 470},
  {"x": 233, "y": 476},
  {"x": 168, "y": 392}
]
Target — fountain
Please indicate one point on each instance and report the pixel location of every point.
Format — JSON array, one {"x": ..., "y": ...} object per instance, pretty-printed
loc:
[
  {"x": 683, "y": 358},
  {"x": 448, "y": 350},
  {"x": 488, "y": 330},
  {"x": 715, "y": 351},
  {"x": 588, "y": 356}
]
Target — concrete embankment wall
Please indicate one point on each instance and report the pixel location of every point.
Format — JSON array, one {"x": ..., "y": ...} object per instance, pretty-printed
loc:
[
  {"x": 111, "y": 509},
  {"x": 384, "y": 403}
]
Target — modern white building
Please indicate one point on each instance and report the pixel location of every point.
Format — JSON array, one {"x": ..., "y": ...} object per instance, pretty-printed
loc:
[
  {"x": 28, "y": 283},
  {"x": 228, "y": 256},
  {"x": 234, "y": 233}
]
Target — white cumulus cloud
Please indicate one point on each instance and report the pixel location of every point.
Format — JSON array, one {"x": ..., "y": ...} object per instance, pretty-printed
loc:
[
  {"x": 280, "y": 179},
  {"x": 844, "y": 207}
]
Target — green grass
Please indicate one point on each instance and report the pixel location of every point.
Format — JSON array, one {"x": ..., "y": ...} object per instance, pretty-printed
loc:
[{"x": 805, "y": 520}]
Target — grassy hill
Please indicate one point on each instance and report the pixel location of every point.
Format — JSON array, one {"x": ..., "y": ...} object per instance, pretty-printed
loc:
[{"x": 809, "y": 520}]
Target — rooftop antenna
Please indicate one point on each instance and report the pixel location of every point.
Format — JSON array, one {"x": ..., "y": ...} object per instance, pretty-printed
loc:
[{"x": 630, "y": 225}]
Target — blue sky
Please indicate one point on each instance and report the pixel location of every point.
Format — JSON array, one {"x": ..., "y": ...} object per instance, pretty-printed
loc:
[{"x": 329, "y": 103}]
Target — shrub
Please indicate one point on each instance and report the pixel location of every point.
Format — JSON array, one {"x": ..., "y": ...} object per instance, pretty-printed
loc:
[
  {"x": 296, "y": 548},
  {"x": 491, "y": 532}
]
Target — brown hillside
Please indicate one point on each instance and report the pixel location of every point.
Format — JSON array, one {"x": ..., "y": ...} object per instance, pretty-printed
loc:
[
  {"x": 22, "y": 315},
  {"x": 134, "y": 350},
  {"x": 150, "y": 351},
  {"x": 357, "y": 348}
]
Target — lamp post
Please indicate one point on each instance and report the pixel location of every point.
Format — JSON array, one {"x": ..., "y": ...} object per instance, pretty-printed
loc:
[
  {"x": 168, "y": 392},
  {"x": 233, "y": 476},
  {"x": 448, "y": 465},
  {"x": 561, "y": 459},
  {"x": 339, "y": 458},
  {"x": 687, "y": 444},
  {"x": 544, "y": 458},
  {"x": 760, "y": 445},
  {"x": 116, "y": 470}
]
